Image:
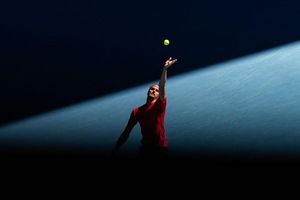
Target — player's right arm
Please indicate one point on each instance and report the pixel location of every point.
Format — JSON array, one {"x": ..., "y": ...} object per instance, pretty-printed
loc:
[{"x": 125, "y": 134}]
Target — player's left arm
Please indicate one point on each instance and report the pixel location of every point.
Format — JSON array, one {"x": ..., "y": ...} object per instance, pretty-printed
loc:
[{"x": 163, "y": 78}]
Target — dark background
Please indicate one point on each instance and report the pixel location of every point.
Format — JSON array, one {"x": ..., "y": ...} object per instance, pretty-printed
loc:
[{"x": 55, "y": 54}]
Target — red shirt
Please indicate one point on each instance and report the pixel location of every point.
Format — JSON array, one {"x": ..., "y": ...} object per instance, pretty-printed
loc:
[{"x": 151, "y": 119}]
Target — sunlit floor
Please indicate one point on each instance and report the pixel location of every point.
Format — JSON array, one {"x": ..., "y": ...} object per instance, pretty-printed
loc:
[{"x": 246, "y": 107}]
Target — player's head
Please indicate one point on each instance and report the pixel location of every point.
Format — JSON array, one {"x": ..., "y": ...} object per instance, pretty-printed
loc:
[{"x": 153, "y": 91}]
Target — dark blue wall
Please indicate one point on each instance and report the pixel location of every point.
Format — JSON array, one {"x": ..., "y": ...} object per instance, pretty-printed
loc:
[{"x": 57, "y": 53}]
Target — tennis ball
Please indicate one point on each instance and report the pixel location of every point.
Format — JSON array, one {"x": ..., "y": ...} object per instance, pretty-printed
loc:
[{"x": 166, "y": 42}]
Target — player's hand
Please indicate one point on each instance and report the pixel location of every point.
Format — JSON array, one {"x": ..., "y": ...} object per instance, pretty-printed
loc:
[
  {"x": 169, "y": 63},
  {"x": 114, "y": 153}
]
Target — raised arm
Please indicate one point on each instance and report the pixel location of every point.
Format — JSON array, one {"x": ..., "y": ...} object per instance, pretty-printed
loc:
[{"x": 163, "y": 78}]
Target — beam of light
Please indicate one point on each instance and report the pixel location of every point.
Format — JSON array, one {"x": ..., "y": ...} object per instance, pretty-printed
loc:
[{"x": 247, "y": 106}]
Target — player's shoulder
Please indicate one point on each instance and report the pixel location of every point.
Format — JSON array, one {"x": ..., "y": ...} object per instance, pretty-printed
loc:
[
  {"x": 138, "y": 109},
  {"x": 163, "y": 99}
]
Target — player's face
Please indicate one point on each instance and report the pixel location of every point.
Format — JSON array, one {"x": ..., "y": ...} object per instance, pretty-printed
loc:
[{"x": 154, "y": 91}]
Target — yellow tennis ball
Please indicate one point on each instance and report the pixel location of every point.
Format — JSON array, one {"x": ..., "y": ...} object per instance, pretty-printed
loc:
[{"x": 166, "y": 42}]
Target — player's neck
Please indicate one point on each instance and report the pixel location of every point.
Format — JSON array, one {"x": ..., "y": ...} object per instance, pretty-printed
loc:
[{"x": 150, "y": 100}]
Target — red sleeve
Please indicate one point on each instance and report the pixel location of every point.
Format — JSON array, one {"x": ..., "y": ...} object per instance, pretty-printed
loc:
[{"x": 162, "y": 104}]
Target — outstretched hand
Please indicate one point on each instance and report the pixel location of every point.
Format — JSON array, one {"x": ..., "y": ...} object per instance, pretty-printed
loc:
[
  {"x": 113, "y": 154},
  {"x": 169, "y": 63}
]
